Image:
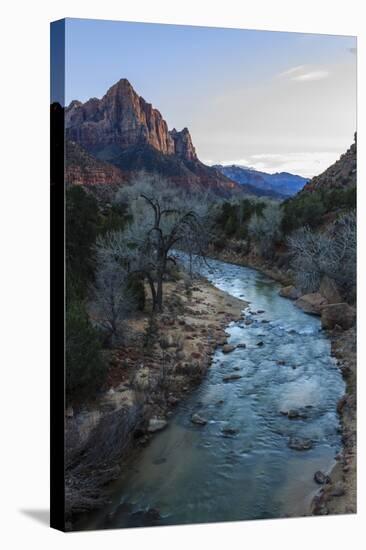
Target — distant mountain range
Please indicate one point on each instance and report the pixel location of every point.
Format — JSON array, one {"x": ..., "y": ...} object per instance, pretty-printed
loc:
[
  {"x": 279, "y": 185},
  {"x": 125, "y": 131}
]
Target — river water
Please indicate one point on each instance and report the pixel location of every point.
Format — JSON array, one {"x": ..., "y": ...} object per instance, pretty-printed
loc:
[{"x": 195, "y": 474}]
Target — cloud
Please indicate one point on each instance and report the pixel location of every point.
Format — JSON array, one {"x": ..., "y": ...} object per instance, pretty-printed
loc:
[
  {"x": 305, "y": 164},
  {"x": 312, "y": 75},
  {"x": 293, "y": 70},
  {"x": 237, "y": 162},
  {"x": 303, "y": 73}
]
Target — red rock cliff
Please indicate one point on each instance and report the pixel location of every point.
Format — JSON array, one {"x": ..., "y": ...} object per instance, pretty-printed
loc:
[{"x": 122, "y": 119}]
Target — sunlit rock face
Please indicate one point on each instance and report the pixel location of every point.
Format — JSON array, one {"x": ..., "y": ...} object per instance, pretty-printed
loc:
[{"x": 122, "y": 118}]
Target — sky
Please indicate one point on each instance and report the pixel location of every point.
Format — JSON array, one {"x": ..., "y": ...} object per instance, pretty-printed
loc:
[{"x": 275, "y": 101}]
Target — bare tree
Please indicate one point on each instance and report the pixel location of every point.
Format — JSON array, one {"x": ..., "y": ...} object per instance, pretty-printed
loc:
[
  {"x": 330, "y": 252},
  {"x": 265, "y": 229},
  {"x": 163, "y": 219},
  {"x": 111, "y": 295}
]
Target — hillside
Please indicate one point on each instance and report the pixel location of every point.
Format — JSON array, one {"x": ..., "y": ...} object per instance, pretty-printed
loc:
[
  {"x": 84, "y": 169},
  {"x": 340, "y": 175}
]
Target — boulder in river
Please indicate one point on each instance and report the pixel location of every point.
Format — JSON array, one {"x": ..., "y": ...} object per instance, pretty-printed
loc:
[
  {"x": 300, "y": 444},
  {"x": 321, "y": 478},
  {"x": 228, "y": 348},
  {"x": 197, "y": 419},
  {"x": 295, "y": 413},
  {"x": 241, "y": 346},
  {"x": 230, "y": 377},
  {"x": 341, "y": 314},
  {"x": 311, "y": 303},
  {"x": 229, "y": 431},
  {"x": 156, "y": 424},
  {"x": 290, "y": 292},
  {"x": 260, "y": 344}
]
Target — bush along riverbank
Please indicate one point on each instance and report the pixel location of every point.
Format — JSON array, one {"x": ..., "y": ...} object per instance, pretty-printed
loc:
[
  {"x": 337, "y": 489},
  {"x": 166, "y": 356}
]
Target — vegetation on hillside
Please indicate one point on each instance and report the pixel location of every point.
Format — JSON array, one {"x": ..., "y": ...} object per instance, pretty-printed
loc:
[
  {"x": 112, "y": 251},
  {"x": 85, "y": 220},
  {"x": 309, "y": 208}
]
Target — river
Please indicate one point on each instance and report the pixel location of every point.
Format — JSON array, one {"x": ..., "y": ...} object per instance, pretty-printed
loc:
[{"x": 195, "y": 474}]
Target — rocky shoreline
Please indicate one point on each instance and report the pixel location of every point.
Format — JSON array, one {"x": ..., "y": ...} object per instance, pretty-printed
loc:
[
  {"x": 252, "y": 261},
  {"x": 338, "y": 493},
  {"x": 145, "y": 383}
]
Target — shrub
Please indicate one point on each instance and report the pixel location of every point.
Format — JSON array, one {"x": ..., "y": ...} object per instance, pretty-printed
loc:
[
  {"x": 82, "y": 220},
  {"x": 114, "y": 219},
  {"x": 232, "y": 218},
  {"x": 306, "y": 209},
  {"x": 136, "y": 289},
  {"x": 265, "y": 229},
  {"x": 85, "y": 368}
]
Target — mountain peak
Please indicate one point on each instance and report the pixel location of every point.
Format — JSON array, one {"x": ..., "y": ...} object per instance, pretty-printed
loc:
[
  {"x": 121, "y": 86},
  {"x": 122, "y": 119}
]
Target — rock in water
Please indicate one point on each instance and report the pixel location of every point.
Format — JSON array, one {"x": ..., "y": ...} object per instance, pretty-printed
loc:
[
  {"x": 197, "y": 419},
  {"x": 228, "y": 348},
  {"x": 294, "y": 413},
  {"x": 321, "y": 478},
  {"x": 300, "y": 444},
  {"x": 290, "y": 292},
  {"x": 229, "y": 431},
  {"x": 231, "y": 377},
  {"x": 156, "y": 424},
  {"x": 311, "y": 303}
]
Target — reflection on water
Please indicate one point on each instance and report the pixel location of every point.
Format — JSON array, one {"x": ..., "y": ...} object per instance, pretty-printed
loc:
[{"x": 194, "y": 474}]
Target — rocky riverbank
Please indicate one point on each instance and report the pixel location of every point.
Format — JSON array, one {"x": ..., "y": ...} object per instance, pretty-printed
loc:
[
  {"x": 165, "y": 357},
  {"x": 233, "y": 254},
  {"x": 338, "y": 494}
]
